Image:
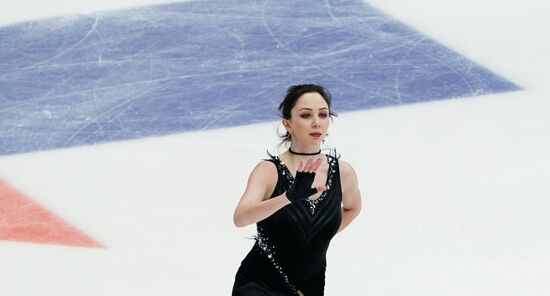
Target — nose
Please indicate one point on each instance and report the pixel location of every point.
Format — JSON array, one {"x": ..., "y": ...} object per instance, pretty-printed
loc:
[{"x": 315, "y": 121}]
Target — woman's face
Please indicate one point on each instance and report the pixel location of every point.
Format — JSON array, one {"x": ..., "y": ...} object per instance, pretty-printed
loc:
[{"x": 309, "y": 120}]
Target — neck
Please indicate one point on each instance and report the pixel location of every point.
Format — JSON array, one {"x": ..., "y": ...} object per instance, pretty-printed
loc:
[
  {"x": 304, "y": 150},
  {"x": 292, "y": 151},
  {"x": 296, "y": 154}
]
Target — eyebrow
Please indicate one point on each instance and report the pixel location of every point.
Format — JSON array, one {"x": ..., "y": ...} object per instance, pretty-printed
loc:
[{"x": 312, "y": 109}]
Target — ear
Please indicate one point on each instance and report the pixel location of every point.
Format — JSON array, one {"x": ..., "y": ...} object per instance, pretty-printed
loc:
[{"x": 286, "y": 124}]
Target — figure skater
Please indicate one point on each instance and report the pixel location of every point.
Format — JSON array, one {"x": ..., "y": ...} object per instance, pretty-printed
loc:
[{"x": 299, "y": 200}]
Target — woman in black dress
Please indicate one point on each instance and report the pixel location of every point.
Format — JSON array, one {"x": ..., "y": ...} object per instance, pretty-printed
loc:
[{"x": 299, "y": 200}]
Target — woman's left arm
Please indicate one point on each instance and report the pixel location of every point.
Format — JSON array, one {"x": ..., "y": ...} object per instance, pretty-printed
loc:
[{"x": 351, "y": 197}]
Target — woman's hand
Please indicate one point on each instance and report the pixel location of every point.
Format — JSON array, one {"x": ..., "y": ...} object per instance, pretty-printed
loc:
[{"x": 301, "y": 188}]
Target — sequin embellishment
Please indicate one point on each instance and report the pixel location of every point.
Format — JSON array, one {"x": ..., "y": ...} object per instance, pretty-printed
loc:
[
  {"x": 269, "y": 251},
  {"x": 331, "y": 169}
]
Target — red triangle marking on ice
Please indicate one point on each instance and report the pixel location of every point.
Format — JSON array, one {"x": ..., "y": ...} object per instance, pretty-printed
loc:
[{"x": 22, "y": 219}]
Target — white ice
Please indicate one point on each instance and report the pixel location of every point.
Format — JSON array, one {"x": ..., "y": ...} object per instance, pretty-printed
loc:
[{"x": 455, "y": 193}]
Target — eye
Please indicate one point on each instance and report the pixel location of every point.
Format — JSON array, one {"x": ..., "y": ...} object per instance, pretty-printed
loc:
[
  {"x": 323, "y": 115},
  {"x": 306, "y": 115}
]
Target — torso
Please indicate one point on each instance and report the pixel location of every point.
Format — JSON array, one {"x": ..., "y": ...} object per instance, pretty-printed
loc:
[{"x": 290, "y": 250}]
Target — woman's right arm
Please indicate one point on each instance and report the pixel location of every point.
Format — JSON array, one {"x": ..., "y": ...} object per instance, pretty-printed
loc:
[{"x": 252, "y": 207}]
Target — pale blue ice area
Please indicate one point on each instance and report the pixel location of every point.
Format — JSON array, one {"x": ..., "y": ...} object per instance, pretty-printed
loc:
[
  {"x": 164, "y": 69},
  {"x": 138, "y": 122}
]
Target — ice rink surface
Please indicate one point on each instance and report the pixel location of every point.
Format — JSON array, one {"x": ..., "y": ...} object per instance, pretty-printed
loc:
[{"x": 128, "y": 130}]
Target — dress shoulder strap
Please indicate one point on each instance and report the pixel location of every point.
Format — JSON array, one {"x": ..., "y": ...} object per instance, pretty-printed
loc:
[
  {"x": 274, "y": 159},
  {"x": 333, "y": 162},
  {"x": 277, "y": 162}
]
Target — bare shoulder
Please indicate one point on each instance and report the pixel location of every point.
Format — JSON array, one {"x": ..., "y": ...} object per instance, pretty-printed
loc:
[
  {"x": 263, "y": 179},
  {"x": 348, "y": 176},
  {"x": 260, "y": 183},
  {"x": 346, "y": 170},
  {"x": 351, "y": 196},
  {"x": 265, "y": 168}
]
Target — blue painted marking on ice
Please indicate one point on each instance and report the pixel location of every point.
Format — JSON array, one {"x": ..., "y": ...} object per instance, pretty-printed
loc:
[{"x": 164, "y": 69}]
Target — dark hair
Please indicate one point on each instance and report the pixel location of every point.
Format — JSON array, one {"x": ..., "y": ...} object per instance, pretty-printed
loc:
[{"x": 293, "y": 93}]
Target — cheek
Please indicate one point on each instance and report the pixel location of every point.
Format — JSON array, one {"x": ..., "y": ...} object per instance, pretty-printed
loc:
[{"x": 302, "y": 123}]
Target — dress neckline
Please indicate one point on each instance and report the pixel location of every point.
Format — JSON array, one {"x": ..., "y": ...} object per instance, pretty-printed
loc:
[{"x": 291, "y": 176}]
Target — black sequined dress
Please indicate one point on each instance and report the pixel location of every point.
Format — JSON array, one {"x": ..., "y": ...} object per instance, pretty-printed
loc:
[{"x": 289, "y": 254}]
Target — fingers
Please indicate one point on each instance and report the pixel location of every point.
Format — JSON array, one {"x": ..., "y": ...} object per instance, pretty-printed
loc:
[
  {"x": 311, "y": 165},
  {"x": 315, "y": 162},
  {"x": 317, "y": 189},
  {"x": 304, "y": 167},
  {"x": 320, "y": 188}
]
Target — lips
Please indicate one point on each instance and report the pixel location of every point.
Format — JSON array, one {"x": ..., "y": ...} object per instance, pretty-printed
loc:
[{"x": 316, "y": 134}]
